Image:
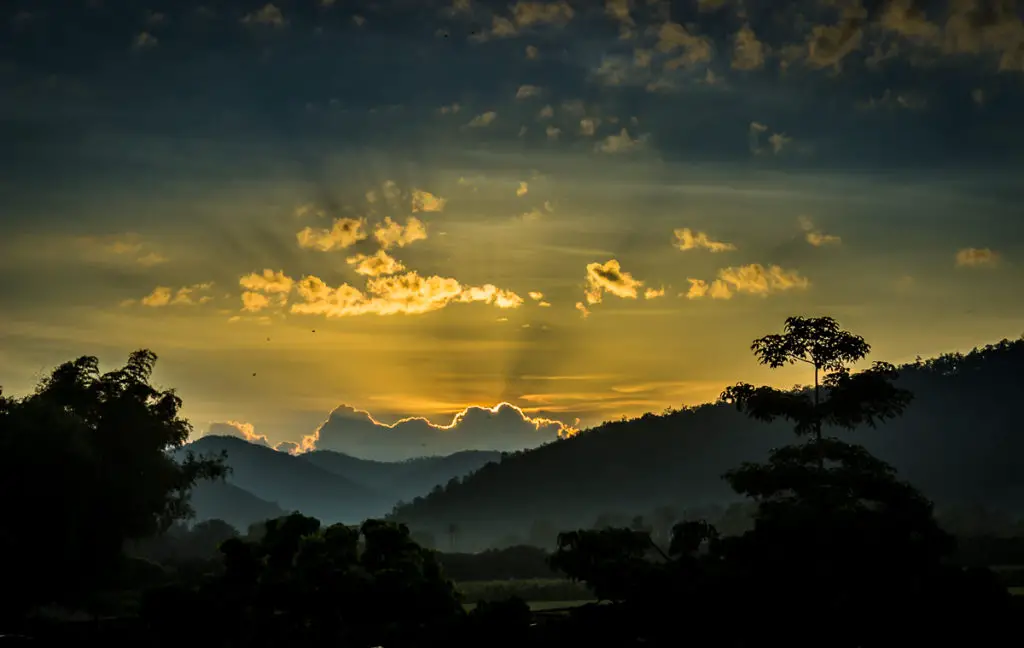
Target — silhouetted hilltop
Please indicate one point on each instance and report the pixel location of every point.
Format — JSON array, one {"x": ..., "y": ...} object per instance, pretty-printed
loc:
[
  {"x": 401, "y": 480},
  {"x": 291, "y": 483},
  {"x": 959, "y": 441},
  {"x": 217, "y": 500}
]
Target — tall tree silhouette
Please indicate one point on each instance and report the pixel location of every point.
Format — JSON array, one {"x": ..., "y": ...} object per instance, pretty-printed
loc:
[{"x": 849, "y": 400}]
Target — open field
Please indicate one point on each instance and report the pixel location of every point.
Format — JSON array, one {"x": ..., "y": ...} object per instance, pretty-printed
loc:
[
  {"x": 535, "y": 590},
  {"x": 543, "y": 606}
]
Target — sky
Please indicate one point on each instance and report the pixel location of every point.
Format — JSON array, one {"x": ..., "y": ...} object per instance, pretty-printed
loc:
[{"x": 410, "y": 227}]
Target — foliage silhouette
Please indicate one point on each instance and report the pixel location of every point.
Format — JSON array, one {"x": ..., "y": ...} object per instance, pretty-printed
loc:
[
  {"x": 867, "y": 397},
  {"x": 305, "y": 585},
  {"x": 86, "y": 466}
]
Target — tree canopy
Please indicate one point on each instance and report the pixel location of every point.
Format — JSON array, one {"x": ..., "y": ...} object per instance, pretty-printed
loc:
[{"x": 85, "y": 466}]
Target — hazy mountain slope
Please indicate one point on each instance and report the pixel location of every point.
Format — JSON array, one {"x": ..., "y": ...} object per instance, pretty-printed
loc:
[
  {"x": 236, "y": 506},
  {"x": 292, "y": 483},
  {"x": 961, "y": 439},
  {"x": 402, "y": 480}
]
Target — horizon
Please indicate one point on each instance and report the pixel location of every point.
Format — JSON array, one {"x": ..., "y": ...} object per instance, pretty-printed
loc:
[{"x": 584, "y": 210}]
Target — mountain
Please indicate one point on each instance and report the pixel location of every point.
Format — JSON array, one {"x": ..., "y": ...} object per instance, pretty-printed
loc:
[
  {"x": 291, "y": 483},
  {"x": 217, "y": 500},
  {"x": 960, "y": 441},
  {"x": 402, "y": 480}
]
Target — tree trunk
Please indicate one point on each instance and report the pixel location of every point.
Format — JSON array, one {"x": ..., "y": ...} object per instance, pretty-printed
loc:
[{"x": 817, "y": 422}]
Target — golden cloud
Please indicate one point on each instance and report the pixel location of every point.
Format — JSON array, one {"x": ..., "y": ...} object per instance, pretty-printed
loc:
[
  {"x": 686, "y": 239},
  {"x": 816, "y": 237},
  {"x": 755, "y": 279},
  {"x": 621, "y": 143},
  {"x": 424, "y": 201},
  {"x": 483, "y": 119},
  {"x": 977, "y": 258},
  {"x": 747, "y": 51},
  {"x": 611, "y": 278},
  {"x": 392, "y": 234},
  {"x": 345, "y": 232},
  {"x": 717, "y": 289},
  {"x": 530, "y": 13},
  {"x": 375, "y": 265},
  {"x": 408, "y": 294},
  {"x": 184, "y": 296},
  {"x": 267, "y": 282},
  {"x": 673, "y": 37},
  {"x": 266, "y": 15}
]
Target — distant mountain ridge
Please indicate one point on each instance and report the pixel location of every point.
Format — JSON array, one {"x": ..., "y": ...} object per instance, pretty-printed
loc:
[
  {"x": 332, "y": 486},
  {"x": 961, "y": 440}
]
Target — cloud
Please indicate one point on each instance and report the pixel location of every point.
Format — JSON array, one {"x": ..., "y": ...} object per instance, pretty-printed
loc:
[
  {"x": 503, "y": 427},
  {"x": 527, "y": 91},
  {"x": 523, "y": 189},
  {"x": 755, "y": 279},
  {"x": 621, "y": 143},
  {"x": 118, "y": 249},
  {"x": 699, "y": 288},
  {"x": 268, "y": 14},
  {"x": 654, "y": 293},
  {"x": 532, "y": 53},
  {"x": 392, "y": 234},
  {"x": 483, "y": 119},
  {"x": 535, "y": 296},
  {"x": 268, "y": 282},
  {"x": 777, "y": 141},
  {"x": 404, "y": 294},
  {"x": 619, "y": 10},
  {"x": 345, "y": 232},
  {"x": 424, "y": 201},
  {"x": 609, "y": 277},
  {"x": 674, "y": 38},
  {"x": 237, "y": 429},
  {"x": 166, "y": 296},
  {"x": 752, "y": 279},
  {"x": 264, "y": 290},
  {"x": 375, "y": 265},
  {"x": 977, "y": 258},
  {"x": 747, "y": 52},
  {"x": 991, "y": 29},
  {"x": 686, "y": 239},
  {"x": 145, "y": 40},
  {"x": 816, "y": 237}
]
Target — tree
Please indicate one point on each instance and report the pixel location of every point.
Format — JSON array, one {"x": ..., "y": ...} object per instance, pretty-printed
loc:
[
  {"x": 836, "y": 533},
  {"x": 86, "y": 465},
  {"x": 849, "y": 400},
  {"x": 302, "y": 585}
]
